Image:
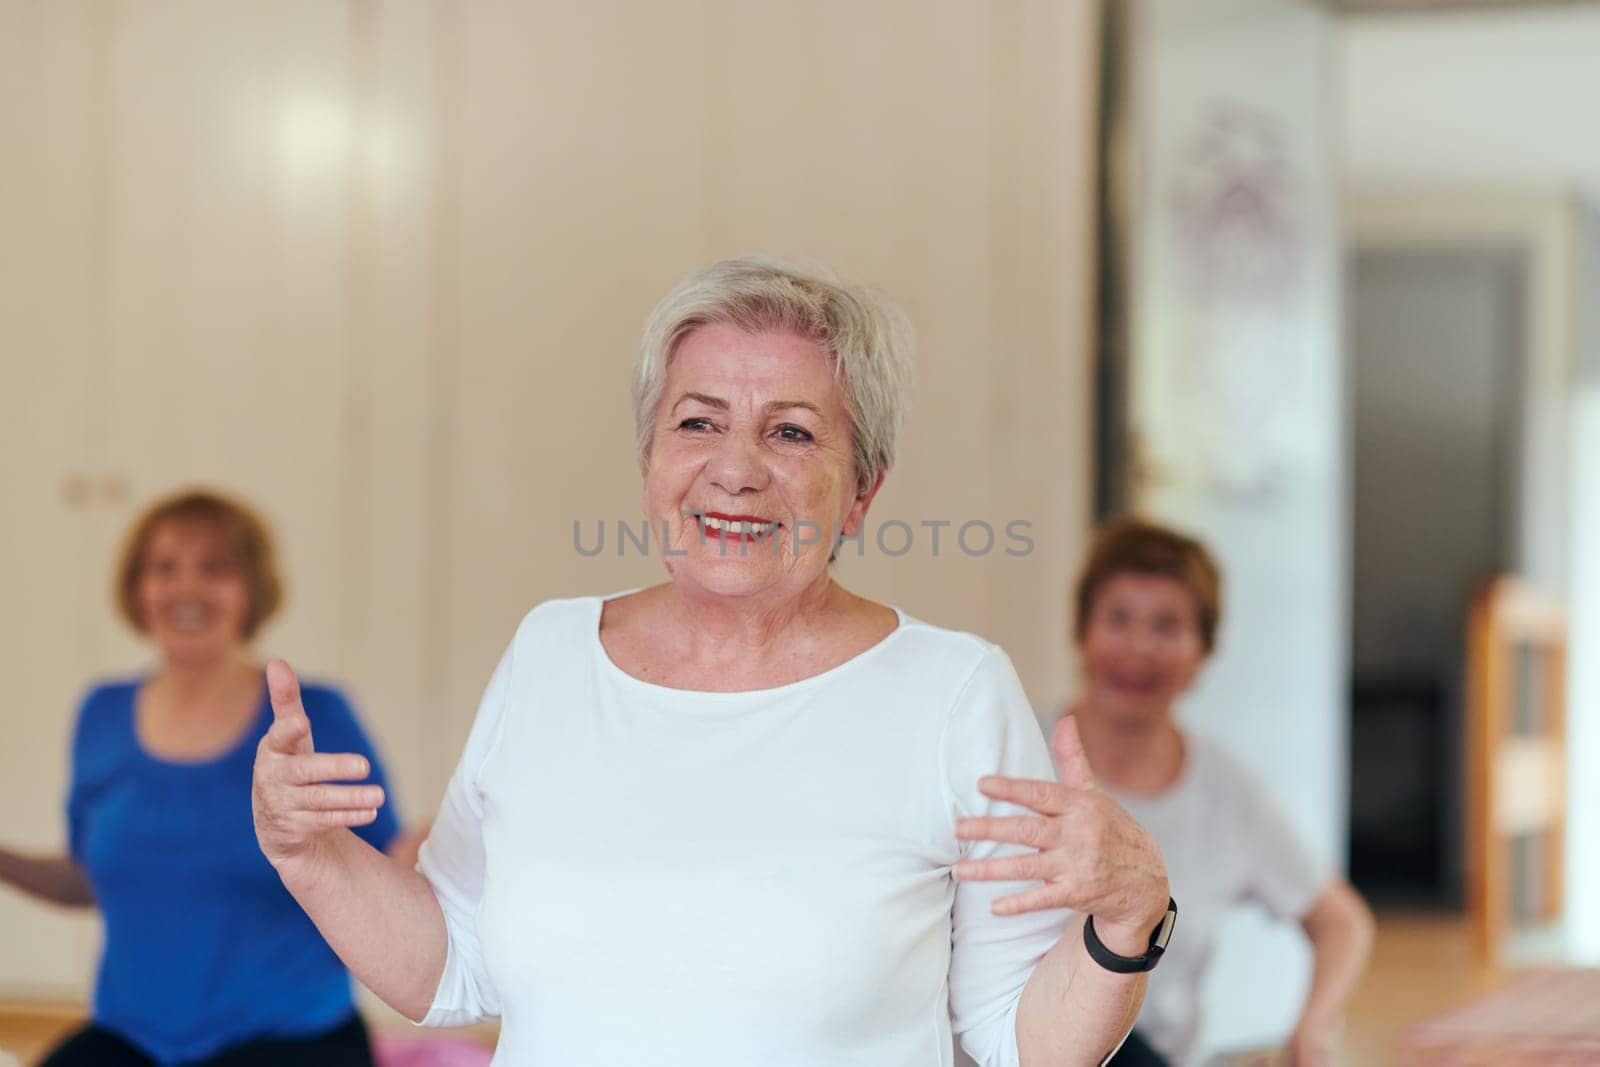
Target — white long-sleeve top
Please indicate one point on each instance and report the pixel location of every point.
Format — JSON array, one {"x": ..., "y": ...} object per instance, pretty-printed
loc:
[{"x": 636, "y": 874}]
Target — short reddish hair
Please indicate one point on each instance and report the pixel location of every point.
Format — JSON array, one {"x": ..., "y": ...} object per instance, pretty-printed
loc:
[
  {"x": 248, "y": 541},
  {"x": 1133, "y": 545}
]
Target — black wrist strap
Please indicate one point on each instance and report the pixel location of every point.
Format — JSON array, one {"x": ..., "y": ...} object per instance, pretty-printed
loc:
[{"x": 1111, "y": 961}]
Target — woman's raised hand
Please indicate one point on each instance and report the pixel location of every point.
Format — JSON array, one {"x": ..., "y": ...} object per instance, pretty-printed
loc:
[
  {"x": 295, "y": 806},
  {"x": 1090, "y": 854}
]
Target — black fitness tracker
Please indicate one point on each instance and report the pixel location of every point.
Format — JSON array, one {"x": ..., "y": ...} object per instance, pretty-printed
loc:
[{"x": 1132, "y": 964}]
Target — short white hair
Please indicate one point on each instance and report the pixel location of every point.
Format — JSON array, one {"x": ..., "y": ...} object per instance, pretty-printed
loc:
[{"x": 867, "y": 338}]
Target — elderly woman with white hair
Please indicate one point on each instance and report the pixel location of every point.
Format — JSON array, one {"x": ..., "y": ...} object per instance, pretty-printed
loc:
[{"x": 744, "y": 816}]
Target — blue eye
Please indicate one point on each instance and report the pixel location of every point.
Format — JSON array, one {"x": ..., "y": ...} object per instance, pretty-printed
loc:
[
  {"x": 695, "y": 424},
  {"x": 791, "y": 432}
]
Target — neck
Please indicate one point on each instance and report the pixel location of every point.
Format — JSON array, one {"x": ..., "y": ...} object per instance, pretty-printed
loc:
[
  {"x": 727, "y": 628},
  {"x": 200, "y": 682},
  {"x": 1137, "y": 754}
]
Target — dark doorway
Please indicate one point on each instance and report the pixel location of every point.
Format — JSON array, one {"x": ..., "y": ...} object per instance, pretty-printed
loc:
[{"x": 1436, "y": 345}]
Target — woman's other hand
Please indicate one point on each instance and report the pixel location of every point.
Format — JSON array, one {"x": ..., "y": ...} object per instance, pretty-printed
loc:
[{"x": 1089, "y": 853}]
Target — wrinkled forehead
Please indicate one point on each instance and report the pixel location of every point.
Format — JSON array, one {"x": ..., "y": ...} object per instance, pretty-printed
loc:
[{"x": 725, "y": 363}]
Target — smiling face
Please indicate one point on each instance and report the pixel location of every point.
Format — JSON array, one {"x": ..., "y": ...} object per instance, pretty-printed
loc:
[
  {"x": 751, "y": 468},
  {"x": 1142, "y": 646},
  {"x": 192, "y": 596}
]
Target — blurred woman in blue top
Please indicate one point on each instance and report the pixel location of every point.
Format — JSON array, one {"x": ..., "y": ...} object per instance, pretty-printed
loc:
[{"x": 207, "y": 958}]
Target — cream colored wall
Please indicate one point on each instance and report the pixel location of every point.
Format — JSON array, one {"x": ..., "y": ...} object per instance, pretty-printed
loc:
[{"x": 380, "y": 268}]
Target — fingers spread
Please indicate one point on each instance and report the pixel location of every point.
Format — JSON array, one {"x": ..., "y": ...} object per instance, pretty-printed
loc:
[
  {"x": 293, "y": 729},
  {"x": 343, "y": 817},
  {"x": 1043, "y": 898},
  {"x": 1047, "y": 798},
  {"x": 1025, "y": 868},
  {"x": 339, "y": 797},
  {"x": 289, "y": 733},
  {"x": 1027, "y": 830},
  {"x": 283, "y": 687},
  {"x": 1071, "y": 762},
  {"x": 326, "y": 767}
]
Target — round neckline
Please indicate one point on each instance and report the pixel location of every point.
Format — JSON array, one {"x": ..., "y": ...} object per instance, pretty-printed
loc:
[
  {"x": 247, "y": 736},
  {"x": 1181, "y": 782},
  {"x": 902, "y": 623}
]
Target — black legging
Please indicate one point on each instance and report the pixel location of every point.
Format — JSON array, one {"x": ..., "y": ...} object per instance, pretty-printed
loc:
[{"x": 346, "y": 1045}]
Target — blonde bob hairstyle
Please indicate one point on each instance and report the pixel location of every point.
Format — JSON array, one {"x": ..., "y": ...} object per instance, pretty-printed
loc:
[{"x": 867, "y": 338}]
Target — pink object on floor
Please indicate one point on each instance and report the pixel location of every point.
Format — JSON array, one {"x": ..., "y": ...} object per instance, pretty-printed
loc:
[
  {"x": 1539, "y": 1018},
  {"x": 392, "y": 1051}
]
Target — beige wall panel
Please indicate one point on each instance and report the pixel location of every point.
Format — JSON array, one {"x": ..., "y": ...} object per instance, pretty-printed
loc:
[
  {"x": 388, "y": 388},
  {"x": 228, "y": 245},
  {"x": 52, "y": 323}
]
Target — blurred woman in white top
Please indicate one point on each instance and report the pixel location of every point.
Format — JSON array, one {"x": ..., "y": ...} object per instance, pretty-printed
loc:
[
  {"x": 1148, "y": 605},
  {"x": 744, "y": 816}
]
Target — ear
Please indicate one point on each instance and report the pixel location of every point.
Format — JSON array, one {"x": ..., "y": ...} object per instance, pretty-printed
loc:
[{"x": 858, "y": 510}]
